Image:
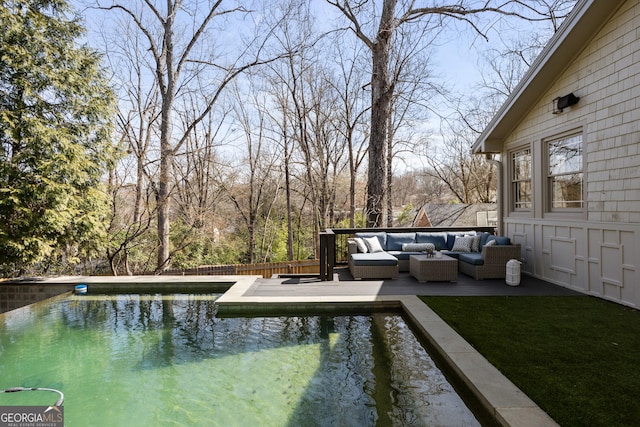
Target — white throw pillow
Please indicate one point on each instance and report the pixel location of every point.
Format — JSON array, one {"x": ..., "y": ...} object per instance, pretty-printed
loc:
[
  {"x": 462, "y": 244},
  {"x": 362, "y": 247},
  {"x": 491, "y": 242},
  {"x": 373, "y": 244}
]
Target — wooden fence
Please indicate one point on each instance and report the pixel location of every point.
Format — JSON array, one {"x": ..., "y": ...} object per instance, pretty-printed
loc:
[{"x": 266, "y": 270}]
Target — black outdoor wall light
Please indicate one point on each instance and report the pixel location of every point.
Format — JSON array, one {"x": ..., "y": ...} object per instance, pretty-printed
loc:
[{"x": 562, "y": 102}]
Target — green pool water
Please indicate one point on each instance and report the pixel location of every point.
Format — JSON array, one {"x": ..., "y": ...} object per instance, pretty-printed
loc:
[{"x": 167, "y": 360}]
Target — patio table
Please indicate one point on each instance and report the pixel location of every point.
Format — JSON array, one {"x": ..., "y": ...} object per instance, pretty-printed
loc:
[{"x": 432, "y": 269}]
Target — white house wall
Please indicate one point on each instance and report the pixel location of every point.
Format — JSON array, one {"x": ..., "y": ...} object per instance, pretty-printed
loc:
[
  {"x": 596, "y": 252},
  {"x": 595, "y": 258}
]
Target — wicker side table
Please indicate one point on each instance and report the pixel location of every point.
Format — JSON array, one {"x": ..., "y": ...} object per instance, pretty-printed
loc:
[{"x": 427, "y": 269}]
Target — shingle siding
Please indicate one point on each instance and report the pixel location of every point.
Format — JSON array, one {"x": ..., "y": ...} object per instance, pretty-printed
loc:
[
  {"x": 606, "y": 77},
  {"x": 597, "y": 252}
]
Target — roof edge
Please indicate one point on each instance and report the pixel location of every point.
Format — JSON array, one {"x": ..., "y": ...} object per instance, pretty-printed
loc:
[{"x": 536, "y": 80}]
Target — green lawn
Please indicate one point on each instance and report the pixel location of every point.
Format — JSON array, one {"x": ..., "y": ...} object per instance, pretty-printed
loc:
[{"x": 577, "y": 357}]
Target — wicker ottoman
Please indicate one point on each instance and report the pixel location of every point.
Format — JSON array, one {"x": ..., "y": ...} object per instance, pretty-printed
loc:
[
  {"x": 378, "y": 265},
  {"x": 432, "y": 269}
]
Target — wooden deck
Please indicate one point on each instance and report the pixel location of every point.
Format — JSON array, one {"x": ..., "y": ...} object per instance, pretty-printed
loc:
[{"x": 344, "y": 285}]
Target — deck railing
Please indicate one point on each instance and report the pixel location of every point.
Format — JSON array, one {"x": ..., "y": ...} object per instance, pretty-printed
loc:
[
  {"x": 334, "y": 248},
  {"x": 334, "y": 251}
]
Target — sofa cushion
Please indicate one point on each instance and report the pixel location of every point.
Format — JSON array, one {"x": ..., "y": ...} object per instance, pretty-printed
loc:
[
  {"x": 483, "y": 238},
  {"x": 373, "y": 244},
  {"x": 373, "y": 259},
  {"x": 404, "y": 256},
  {"x": 473, "y": 258},
  {"x": 381, "y": 235},
  {"x": 438, "y": 239},
  {"x": 500, "y": 240},
  {"x": 396, "y": 240}
]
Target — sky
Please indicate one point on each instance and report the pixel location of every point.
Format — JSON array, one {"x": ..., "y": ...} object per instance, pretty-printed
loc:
[{"x": 456, "y": 60}]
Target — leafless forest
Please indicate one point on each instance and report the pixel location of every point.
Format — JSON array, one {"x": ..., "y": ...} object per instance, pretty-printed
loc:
[{"x": 245, "y": 129}]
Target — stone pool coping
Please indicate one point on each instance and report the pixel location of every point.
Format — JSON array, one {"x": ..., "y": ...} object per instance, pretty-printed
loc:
[{"x": 497, "y": 397}]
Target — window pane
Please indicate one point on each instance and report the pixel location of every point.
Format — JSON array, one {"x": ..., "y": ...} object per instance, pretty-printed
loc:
[
  {"x": 565, "y": 155},
  {"x": 522, "y": 165},
  {"x": 566, "y": 191},
  {"x": 522, "y": 194},
  {"x": 521, "y": 179}
]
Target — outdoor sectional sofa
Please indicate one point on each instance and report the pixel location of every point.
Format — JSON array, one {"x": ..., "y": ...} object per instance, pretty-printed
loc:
[{"x": 480, "y": 255}]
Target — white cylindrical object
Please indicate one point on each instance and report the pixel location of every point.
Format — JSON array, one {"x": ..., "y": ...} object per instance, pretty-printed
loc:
[{"x": 513, "y": 272}]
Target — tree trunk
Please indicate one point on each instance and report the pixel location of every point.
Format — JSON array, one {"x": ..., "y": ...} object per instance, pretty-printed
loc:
[
  {"x": 389, "y": 181},
  {"x": 287, "y": 186},
  {"x": 163, "y": 210},
  {"x": 166, "y": 147},
  {"x": 352, "y": 179},
  {"x": 381, "y": 93}
]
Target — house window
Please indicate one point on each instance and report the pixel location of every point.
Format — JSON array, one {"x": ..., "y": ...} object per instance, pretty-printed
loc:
[
  {"x": 521, "y": 179},
  {"x": 564, "y": 175}
]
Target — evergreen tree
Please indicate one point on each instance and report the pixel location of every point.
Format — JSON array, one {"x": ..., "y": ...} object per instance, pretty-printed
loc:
[{"x": 55, "y": 112}]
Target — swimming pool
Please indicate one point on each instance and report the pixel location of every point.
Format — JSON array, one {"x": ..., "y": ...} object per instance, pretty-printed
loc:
[{"x": 168, "y": 360}]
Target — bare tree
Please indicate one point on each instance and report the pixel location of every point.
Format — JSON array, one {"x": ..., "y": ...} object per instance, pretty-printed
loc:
[
  {"x": 407, "y": 117},
  {"x": 185, "y": 61},
  {"x": 283, "y": 137},
  {"x": 469, "y": 179},
  {"x": 197, "y": 194},
  {"x": 137, "y": 123},
  {"x": 379, "y": 39},
  {"x": 306, "y": 102},
  {"x": 253, "y": 187},
  {"x": 349, "y": 84}
]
